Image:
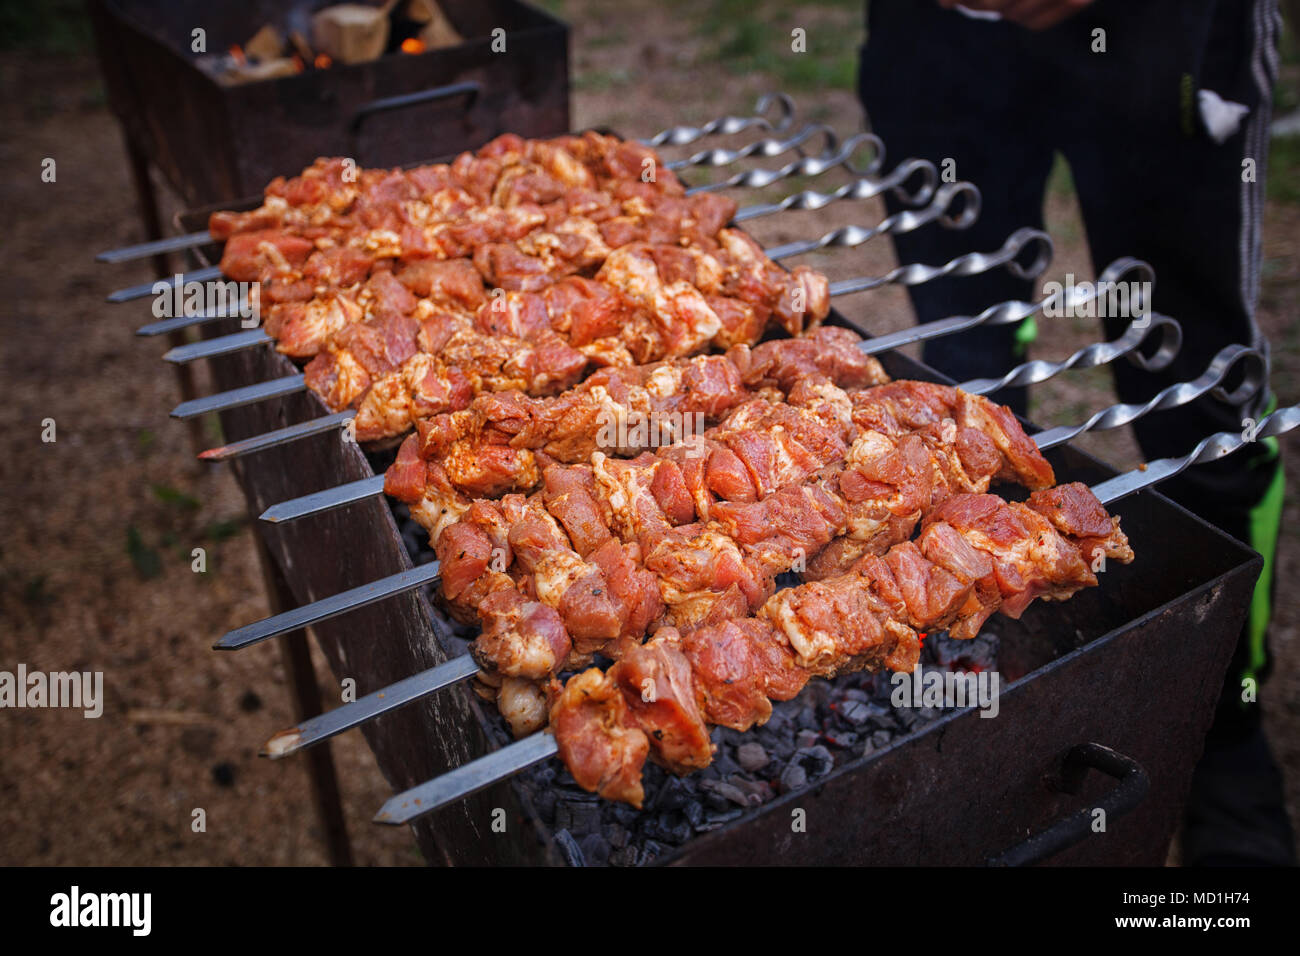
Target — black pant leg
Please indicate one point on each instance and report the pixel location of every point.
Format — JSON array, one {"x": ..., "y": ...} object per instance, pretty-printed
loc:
[
  {"x": 1152, "y": 183},
  {"x": 937, "y": 85}
]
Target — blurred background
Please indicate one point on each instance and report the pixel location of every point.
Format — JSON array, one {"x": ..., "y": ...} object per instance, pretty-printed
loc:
[{"x": 98, "y": 527}]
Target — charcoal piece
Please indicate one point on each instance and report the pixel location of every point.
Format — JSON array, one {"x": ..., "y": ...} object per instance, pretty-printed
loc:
[
  {"x": 624, "y": 856},
  {"x": 818, "y": 761},
  {"x": 576, "y": 816},
  {"x": 844, "y": 739},
  {"x": 751, "y": 756},
  {"x": 594, "y": 849},
  {"x": 855, "y": 712},
  {"x": 649, "y": 852},
  {"x": 807, "y": 719},
  {"x": 806, "y": 738},
  {"x": 569, "y": 848},
  {"x": 720, "y": 788},
  {"x": 694, "y": 812},
  {"x": 792, "y": 778},
  {"x": 673, "y": 795},
  {"x": 615, "y": 835}
]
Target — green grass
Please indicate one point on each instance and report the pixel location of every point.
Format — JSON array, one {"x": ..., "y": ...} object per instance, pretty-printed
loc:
[
  {"x": 1284, "y": 170},
  {"x": 754, "y": 36},
  {"x": 49, "y": 27}
]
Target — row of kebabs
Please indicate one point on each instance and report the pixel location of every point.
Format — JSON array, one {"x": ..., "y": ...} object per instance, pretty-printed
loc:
[
  {"x": 520, "y": 267},
  {"x": 560, "y": 550},
  {"x": 472, "y": 301}
]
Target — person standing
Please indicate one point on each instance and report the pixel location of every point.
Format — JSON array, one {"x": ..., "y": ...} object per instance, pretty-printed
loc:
[{"x": 1162, "y": 109}]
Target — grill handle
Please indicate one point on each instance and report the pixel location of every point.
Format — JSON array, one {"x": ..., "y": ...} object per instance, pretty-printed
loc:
[
  {"x": 470, "y": 89},
  {"x": 1131, "y": 789}
]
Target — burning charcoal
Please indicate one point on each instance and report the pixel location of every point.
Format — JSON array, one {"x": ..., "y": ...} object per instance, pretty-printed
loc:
[
  {"x": 751, "y": 756},
  {"x": 672, "y": 828},
  {"x": 569, "y": 848},
  {"x": 615, "y": 835},
  {"x": 719, "y": 791},
  {"x": 714, "y": 819},
  {"x": 625, "y": 856},
  {"x": 855, "y": 712},
  {"x": 674, "y": 795},
  {"x": 594, "y": 849},
  {"x": 792, "y": 778},
  {"x": 579, "y": 817},
  {"x": 726, "y": 764},
  {"x": 758, "y": 791},
  {"x": 649, "y": 852},
  {"x": 845, "y": 739},
  {"x": 806, "y": 738},
  {"x": 857, "y": 694},
  {"x": 807, "y": 719},
  {"x": 544, "y": 800},
  {"x": 818, "y": 761},
  {"x": 776, "y": 723}
]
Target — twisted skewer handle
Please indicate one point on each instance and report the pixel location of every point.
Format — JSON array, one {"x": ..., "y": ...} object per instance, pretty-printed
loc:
[
  {"x": 730, "y": 125},
  {"x": 767, "y": 147},
  {"x": 1006, "y": 313},
  {"x": 972, "y": 263},
  {"x": 863, "y": 187},
  {"x": 963, "y": 195},
  {"x": 1098, "y": 353},
  {"x": 1173, "y": 396},
  {"x": 816, "y": 165},
  {"x": 1208, "y": 450}
]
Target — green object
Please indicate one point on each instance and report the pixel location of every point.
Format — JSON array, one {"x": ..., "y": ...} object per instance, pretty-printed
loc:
[
  {"x": 1026, "y": 335},
  {"x": 1265, "y": 524}
]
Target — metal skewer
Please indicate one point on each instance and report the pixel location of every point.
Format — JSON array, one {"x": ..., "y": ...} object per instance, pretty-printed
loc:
[
  {"x": 238, "y": 397},
  {"x": 146, "y": 288},
  {"x": 164, "y": 326},
  {"x": 673, "y": 136},
  {"x": 329, "y": 607},
  {"x": 281, "y": 436},
  {"x": 963, "y": 195},
  {"x": 512, "y": 758},
  {"x": 427, "y": 682}
]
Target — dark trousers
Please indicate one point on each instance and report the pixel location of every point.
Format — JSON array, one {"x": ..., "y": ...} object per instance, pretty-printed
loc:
[{"x": 1002, "y": 102}]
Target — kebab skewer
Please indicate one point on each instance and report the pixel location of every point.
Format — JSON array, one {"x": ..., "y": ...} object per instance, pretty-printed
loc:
[
  {"x": 971, "y": 514},
  {"x": 428, "y": 682}
]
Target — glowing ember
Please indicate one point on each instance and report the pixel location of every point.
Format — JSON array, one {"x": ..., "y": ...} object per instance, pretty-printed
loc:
[
  {"x": 237, "y": 52},
  {"x": 298, "y": 66},
  {"x": 413, "y": 45},
  {"x": 322, "y": 62}
]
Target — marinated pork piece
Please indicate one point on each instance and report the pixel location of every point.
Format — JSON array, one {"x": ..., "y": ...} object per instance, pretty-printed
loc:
[{"x": 729, "y": 672}]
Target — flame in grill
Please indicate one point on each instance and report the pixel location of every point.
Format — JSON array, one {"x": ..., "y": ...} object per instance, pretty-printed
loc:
[
  {"x": 237, "y": 52},
  {"x": 413, "y": 45},
  {"x": 322, "y": 61}
]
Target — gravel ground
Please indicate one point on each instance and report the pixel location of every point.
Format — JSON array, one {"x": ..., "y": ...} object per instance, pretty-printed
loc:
[{"x": 99, "y": 525}]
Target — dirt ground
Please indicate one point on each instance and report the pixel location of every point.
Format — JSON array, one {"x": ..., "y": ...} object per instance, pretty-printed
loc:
[{"x": 99, "y": 524}]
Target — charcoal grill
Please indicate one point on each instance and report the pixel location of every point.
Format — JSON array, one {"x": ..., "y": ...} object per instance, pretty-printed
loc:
[{"x": 1112, "y": 691}]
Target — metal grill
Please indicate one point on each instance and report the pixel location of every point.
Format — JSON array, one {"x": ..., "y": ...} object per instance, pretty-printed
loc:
[{"x": 957, "y": 789}]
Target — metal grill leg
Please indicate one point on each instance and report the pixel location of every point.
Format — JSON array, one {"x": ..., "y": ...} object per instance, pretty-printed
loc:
[
  {"x": 148, "y": 201},
  {"x": 305, "y": 696}
]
